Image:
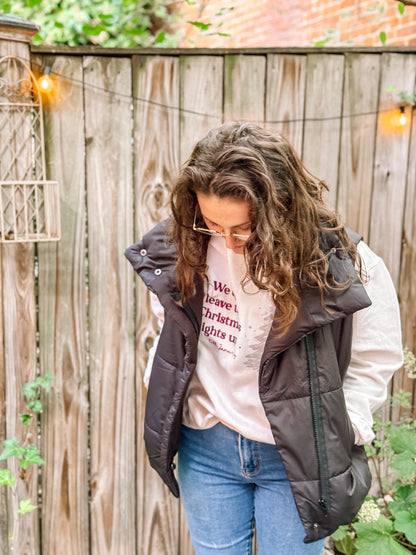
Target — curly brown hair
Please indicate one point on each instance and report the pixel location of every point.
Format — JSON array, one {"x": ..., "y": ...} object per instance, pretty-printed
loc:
[{"x": 290, "y": 221}]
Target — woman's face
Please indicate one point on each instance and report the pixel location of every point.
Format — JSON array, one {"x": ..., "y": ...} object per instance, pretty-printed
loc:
[{"x": 226, "y": 215}]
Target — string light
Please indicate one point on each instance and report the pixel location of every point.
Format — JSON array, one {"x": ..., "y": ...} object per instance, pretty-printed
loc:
[
  {"x": 45, "y": 81},
  {"x": 403, "y": 117},
  {"x": 46, "y": 85}
]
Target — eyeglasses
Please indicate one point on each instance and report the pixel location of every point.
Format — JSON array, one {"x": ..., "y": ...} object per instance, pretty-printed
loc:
[{"x": 213, "y": 233}]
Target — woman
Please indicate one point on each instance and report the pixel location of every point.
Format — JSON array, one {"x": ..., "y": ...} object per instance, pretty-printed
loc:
[{"x": 271, "y": 356}]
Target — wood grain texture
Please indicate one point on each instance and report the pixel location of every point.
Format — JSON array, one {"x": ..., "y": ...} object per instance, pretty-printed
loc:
[
  {"x": 285, "y": 97},
  {"x": 200, "y": 99},
  {"x": 244, "y": 88},
  {"x": 359, "y": 129},
  {"x": 322, "y": 127},
  {"x": 391, "y": 158},
  {"x": 4, "y": 543},
  {"x": 407, "y": 282},
  {"x": 200, "y": 90},
  {"x": 18, "y": 304},
  {"x": 107, "y": 98},
  {"x": 62, "y": 322},
  {"x": 156, "y": 162},
  {"x": 129, "y": 185}
]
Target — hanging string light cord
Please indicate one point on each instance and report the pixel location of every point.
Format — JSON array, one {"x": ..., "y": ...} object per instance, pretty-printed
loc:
[{"x": 168, "y": 107}]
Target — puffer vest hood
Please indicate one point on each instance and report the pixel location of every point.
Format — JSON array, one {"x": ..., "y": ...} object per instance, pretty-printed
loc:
[{"x": 300, "y": 385}]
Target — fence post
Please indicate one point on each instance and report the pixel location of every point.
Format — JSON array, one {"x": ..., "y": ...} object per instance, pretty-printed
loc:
[{"x": 17, "y": 336}]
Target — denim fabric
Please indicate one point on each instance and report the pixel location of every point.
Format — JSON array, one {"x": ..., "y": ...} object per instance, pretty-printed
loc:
[{"x": 228, "y": 483}]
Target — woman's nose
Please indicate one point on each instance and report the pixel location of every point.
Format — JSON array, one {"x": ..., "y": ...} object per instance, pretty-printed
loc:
[{"x": 229, "y": 241}]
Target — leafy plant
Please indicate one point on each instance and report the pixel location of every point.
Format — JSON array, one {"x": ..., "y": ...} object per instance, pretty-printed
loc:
[
  {"x": 409, "y": 98},
  {"x": 110, "y": 23},
  {"x": 386, "y": 525},
  {"x": 28, "y": 454}
]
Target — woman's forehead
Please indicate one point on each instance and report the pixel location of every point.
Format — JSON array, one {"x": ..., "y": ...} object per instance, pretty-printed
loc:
[{"x": 228, "y": 212}]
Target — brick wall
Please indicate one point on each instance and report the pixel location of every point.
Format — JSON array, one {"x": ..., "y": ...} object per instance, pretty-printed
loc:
[{"x": 265, "y": 23}]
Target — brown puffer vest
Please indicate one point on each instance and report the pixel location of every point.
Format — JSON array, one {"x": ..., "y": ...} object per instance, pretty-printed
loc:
[{"x": 300, "y": 385}]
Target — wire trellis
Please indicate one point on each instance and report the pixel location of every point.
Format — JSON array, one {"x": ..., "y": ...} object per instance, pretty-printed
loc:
[{"x": 29, "y": 203}]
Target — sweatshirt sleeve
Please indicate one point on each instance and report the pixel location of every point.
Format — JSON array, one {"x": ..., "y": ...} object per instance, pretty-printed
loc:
[
  {"x": 376, "y": 347},
  {"x": 159, "y": 312}
]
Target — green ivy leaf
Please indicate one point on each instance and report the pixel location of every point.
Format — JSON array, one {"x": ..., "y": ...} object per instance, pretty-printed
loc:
[
  {"x": 45, "y": 381},
  {"x": 26, "y": 506},
  {"x": 383, "y": 37},
  {"x": 29, "y": 389},
  {"x": 12, "y": 449},
  {"x": 25, "y": 419},
  {"x": 200, "y": 25},
  {"x": 377, "y": 537},
  {"x": 406, "y": 522},
  {"x": 160, "y": 37},
  {"x": 401, "y": 7},
  {"x": 35, "y": 406},
  {"x": 32, "y": 3},
  {"x": 5, "y": 478},
  {"x": 31, "y": 456},
  {"x": 92, "y": 30},
  {"x": 323, "y": 42}
]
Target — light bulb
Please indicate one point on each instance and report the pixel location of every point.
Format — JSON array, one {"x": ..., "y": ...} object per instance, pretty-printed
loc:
[
  {"x": 403, "y": 117},
  {"x": 45, "y": 81}
]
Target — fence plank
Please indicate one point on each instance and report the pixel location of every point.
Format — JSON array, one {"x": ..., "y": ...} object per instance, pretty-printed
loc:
[
  {"x": 407, "y": 282},
  {"x": 62, "y": 323},
  {"x": 359, "y": 128},
  {"x": 200, "y": 99},
  {"x": 107, "y": 94},
  {"x": 392, "y": 148},
  {"x": 18, "y": 303},
  {"x": 323, "y": 102},
  {"x": 244, "y": 87},
  {"x": 200, "y": 90},
  {"x": 4, "y": 542},
  {"x": 156, "y": 147},
  {"x": 285, "y": 97}
]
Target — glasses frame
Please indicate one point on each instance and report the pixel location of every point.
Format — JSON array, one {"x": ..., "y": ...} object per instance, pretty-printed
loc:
[{"x": 214, "y": 233}]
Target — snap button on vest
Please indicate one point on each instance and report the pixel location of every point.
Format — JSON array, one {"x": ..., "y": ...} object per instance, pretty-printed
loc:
[
  {"x": 158, "y": 271},
  {"x": 143, "y": 252}
]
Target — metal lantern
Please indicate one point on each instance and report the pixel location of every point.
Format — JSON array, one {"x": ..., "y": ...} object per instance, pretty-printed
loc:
[{"x": 29, "y": 203}]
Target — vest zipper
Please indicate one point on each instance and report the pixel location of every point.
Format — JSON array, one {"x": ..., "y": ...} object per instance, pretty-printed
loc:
[{"x": 318, "y": 425}]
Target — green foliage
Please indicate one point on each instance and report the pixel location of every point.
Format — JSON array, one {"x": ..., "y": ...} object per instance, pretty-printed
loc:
[
  {"x": 30, "y": 389},
  {"x": 6, "y": 478},
  {"x": 387, "y": 526},
  {"x": 12, "y": 448},
  {"x": 409, "y": 357},
  {"x": 383, "y": 37},
  {"x": 26, "y": 506},
  {"x": 330, "y": 34},
  {"x": 110, "y": 23},
  {"x": 405, "y": 521},
  {"x": 377, "y": 537},
  {"x": 200, "y": 25},
  {"x": 27, "y": 454},
  {"x": 401, "y": 8}
]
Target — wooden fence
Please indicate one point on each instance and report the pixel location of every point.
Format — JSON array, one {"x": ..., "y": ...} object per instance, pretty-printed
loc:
[{"x": 117, "y": 127}]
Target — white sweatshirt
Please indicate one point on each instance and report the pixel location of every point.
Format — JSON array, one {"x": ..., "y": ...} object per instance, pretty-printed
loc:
[{"x": 235, "y": 324}]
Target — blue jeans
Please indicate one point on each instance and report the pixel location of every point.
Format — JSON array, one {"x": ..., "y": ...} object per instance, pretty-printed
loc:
[{"x": 227, "y": 483}]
